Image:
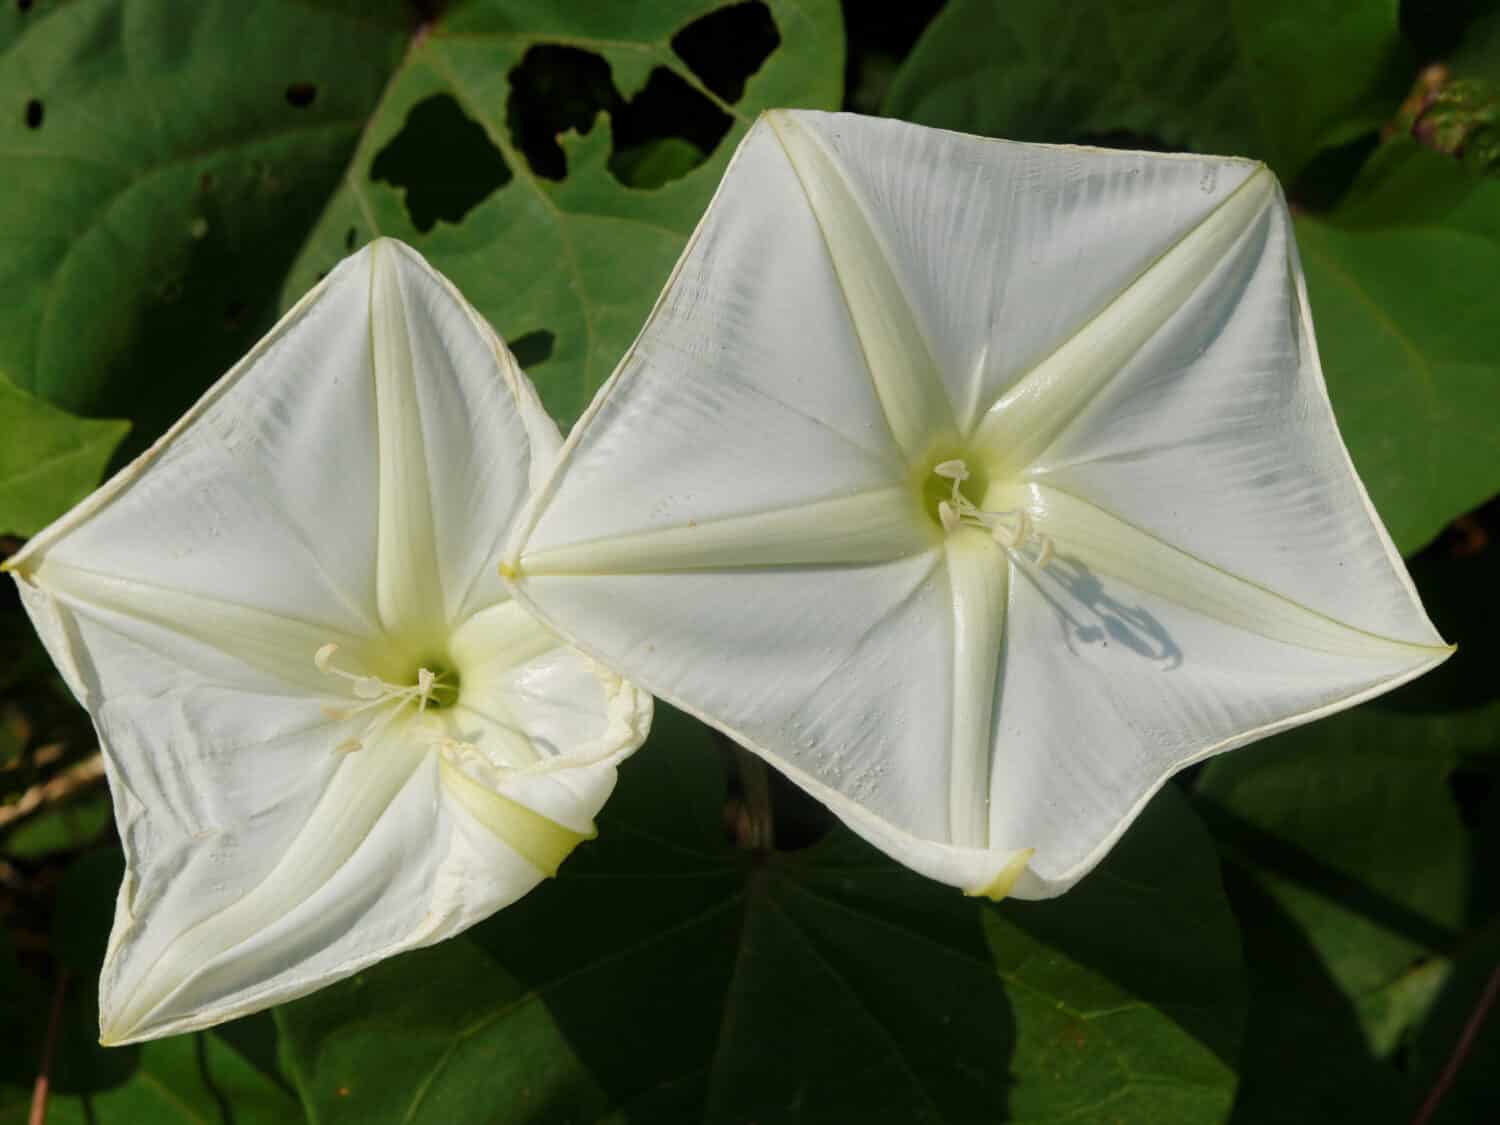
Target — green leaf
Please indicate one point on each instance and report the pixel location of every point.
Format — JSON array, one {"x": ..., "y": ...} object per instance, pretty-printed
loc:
[
  {"x": 49, "y": 460},
  {"x": 657, "y": 162},
  {"x": 152, "y": 201},
  {"x": 1353, "y": 876},
  {"x": 190, "y": 170},
  {"x": 1353, "y": 832},
  {"x": 581, "y": 257},
  {"x": 1402, "y": 278},
  {"x": 1275, "y": 79},
  {"x": 666, "y": 976}
]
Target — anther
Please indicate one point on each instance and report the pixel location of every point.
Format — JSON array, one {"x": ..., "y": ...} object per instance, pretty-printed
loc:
[
  {"x": 376, "y": 693},
  {"x": 952, "y": 470}
]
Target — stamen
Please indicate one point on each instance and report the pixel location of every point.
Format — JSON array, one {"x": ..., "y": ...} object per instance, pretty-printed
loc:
[
  {"x": 954, "y": 470},
  {"x": 1012, "y": 529},
  {"x": 376, "y": 693}
]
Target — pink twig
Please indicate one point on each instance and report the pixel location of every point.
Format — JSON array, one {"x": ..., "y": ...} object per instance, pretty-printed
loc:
[{"x": 1461, "y": 1049}]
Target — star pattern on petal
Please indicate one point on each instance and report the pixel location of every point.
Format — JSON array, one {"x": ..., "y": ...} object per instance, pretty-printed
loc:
[{"x": 1037, "y": 498}]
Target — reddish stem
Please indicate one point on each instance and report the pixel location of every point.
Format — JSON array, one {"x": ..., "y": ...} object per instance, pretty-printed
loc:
[
  {"x": 44, "y": 1071},
  {"x": 1461, "y": 1049}
]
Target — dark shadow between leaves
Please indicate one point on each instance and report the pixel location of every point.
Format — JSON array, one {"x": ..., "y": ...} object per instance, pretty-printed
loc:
[
  {"x": 1458, "y": 589},
  {"x": 665, "y": 131},
  {"x": 726, "y": 47},
  {"x": 1269, "y": 852},
  {"x": 1305, "y": 1059},
  {"x": 1121, "y": 918},
  {"x": 442, "y": 162},
  {"x": 533, "y": 349}
]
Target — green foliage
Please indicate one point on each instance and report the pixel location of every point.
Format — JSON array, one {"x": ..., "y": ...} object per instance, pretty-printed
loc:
[
  {"x": 564, "y": 246},
  {"x": 682, "y": 979},
  {"x": 50, "y": 459},
  {"x": 155, "y": 194},
  {"x": 1401, "y": 277},
  {"x": 176, "y": 174},
  {"x": 1275, "y": 79}
]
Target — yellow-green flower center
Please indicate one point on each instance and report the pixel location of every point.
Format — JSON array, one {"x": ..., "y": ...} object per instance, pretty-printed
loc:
[{"x": 937, "y": 486}]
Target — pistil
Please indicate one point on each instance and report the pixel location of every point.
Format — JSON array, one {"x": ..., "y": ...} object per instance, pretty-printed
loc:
[{"x": 1012, "y": 529}]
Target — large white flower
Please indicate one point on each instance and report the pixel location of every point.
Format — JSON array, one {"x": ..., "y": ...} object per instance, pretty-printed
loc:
[
  {"x": 978, "y": 486},
  {"x": 330, "y": 734}
]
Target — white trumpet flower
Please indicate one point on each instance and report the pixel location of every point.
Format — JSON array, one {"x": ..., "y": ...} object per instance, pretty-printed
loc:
[
  {"x": 978, "y": 487},
  {"x": 329, "y": 732}
]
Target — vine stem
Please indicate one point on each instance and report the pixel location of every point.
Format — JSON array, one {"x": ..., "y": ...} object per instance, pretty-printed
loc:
[
  {"x": 758, "y": 833},
  {"x": 60, "y": 788},
  {"x": 1461, "y": 1049},
  {"x": 43, "y": 1085}
]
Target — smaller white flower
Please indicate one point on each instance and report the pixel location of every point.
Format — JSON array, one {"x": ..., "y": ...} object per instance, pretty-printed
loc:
[{"x": 330, "y": 734}]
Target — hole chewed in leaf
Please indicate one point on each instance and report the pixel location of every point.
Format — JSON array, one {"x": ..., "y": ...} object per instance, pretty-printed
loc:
[
  {"x": 301, "y": 94},
  {"x": 726, "y": 47},
  {"x": 533, "y": 349},
  {"x": 34, "y": 113},
  {"x": 553, "y": 90},
  {"x": 664, "y": 132},
  {"x": 443, "y": 163}
]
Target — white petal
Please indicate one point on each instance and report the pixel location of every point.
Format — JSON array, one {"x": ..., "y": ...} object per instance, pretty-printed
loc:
[
  {"x": 899, "y": 358},
  {"x": 408, "y": 582},
  {"x": 840, "y": 676},
  {"x": 209, "y": 967},
  {"x": 725, "y": 384},
  {"x": 1218, "y": 437},
  {"x": 1026, "y": 419},
  {"x": 1139, "y": 659},
  {"x": 463, "y": 438},
  {"x": 264, "y": 494},
  {"x": 979, "y": 575},
  {"x": 1007, "y": 249},
  {"x": 867, "y": 527}
]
